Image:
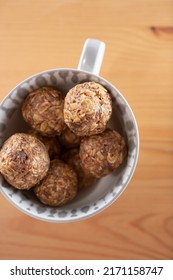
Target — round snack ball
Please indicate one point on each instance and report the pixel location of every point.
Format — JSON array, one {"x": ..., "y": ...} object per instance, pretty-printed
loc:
[
  {"x": 87, "y": 109},
  {"x": 101, "y": 154},
  {"x": 85, "y": 179},
  {"x": 68, "y": 139},
  {"x": 51, "y": 143},
  {"x": 59, "y": 186},
  {"x": 43, "y": 110},
  {"x": 24, "y": 161}
]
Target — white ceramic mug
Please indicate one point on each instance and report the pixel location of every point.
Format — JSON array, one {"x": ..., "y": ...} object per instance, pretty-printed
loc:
[{"x": 93, "y": 200}]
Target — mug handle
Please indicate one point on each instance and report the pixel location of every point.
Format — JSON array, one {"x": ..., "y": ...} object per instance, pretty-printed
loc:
[{"x": 92, "y": 56}]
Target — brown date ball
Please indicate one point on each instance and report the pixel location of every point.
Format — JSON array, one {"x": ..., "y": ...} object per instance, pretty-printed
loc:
[
  {"x": 43, "y": 110},
  {"x": 101, "y": 154},
  {"x": 24, "y": 161},
  {"x": 87, "y": 109},
  {"x": 85, "y": 179},
  {"x": 59, "y": 186},
  {"x": 51, "y": 143},
  {"x": 68, "y": 139}
]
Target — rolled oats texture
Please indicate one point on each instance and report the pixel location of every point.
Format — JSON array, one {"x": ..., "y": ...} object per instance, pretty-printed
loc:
[
  {"x": 43, "y": 111},
  {"x": 68, "y": 139},
  {"x": 59, "y": 186},
  {"x": 103, "y": 153},
  {"x": 85, "y": 179},
  {"x": 51, "y": 143},
  {"x": 24, "y": 161},
  {"x": 87, "y": 109}
]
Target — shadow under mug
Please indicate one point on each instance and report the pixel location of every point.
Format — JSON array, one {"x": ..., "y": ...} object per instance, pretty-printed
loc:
[{"x": 94, "y": 199}]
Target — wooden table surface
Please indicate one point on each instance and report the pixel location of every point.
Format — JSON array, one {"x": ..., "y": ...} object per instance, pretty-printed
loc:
[{"x": 40, "y": 35}]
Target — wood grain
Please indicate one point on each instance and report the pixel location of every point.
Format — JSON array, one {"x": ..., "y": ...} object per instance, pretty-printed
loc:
[{"x": 40, "y": 35}]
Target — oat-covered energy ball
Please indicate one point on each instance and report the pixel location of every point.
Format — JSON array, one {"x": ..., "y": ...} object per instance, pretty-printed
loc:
[
  {"x": 68, "y": 139},
  {"x": 87, "y": 109},
  {"x": 85, "y": 179},
  {"x": 101, "y": 154},
  {"x": 24, "y": 161},
  {"x": 59, "y": 186},
  {"x": 43, "y": 111},
  {"x": 51, "y": 143}
]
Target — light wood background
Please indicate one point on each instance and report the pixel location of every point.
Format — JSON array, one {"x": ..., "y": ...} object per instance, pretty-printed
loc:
[{"x": 36, "y": 35}]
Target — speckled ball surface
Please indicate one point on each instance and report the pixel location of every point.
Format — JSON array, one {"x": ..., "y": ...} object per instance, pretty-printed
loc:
[
  {"x": 101, "y": 154},
  {"x": 68, "y": 139},
  {"x": 87, "y": 109},
  {"x": 51, "y": 143},
  {"x": 24, "y": 161},
  {"x": 59, "y": 186},
  {"x": 85, "y": 179},
  {"x": 43, "y": 111}
]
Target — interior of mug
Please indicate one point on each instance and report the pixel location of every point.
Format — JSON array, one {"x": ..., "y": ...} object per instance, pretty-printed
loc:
[{"x": 95, "y": 198}]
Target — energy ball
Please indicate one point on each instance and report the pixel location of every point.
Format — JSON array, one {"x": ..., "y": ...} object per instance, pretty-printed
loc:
[
  {"x": 43, "y": 110},
  {"x": 51, "y": 143},
  {"x": 85, "y": 179},
  {"x": 59, "y": 186},
  {"x": 87, "y": 109},
  {"x": 68, "y": 139},
  {"x": 101, "y": 154},
  {"x": 24, "y": 161}
]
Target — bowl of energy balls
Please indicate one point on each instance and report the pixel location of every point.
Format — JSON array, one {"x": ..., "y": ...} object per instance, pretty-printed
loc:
[{"x": 68, "y": 145}]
